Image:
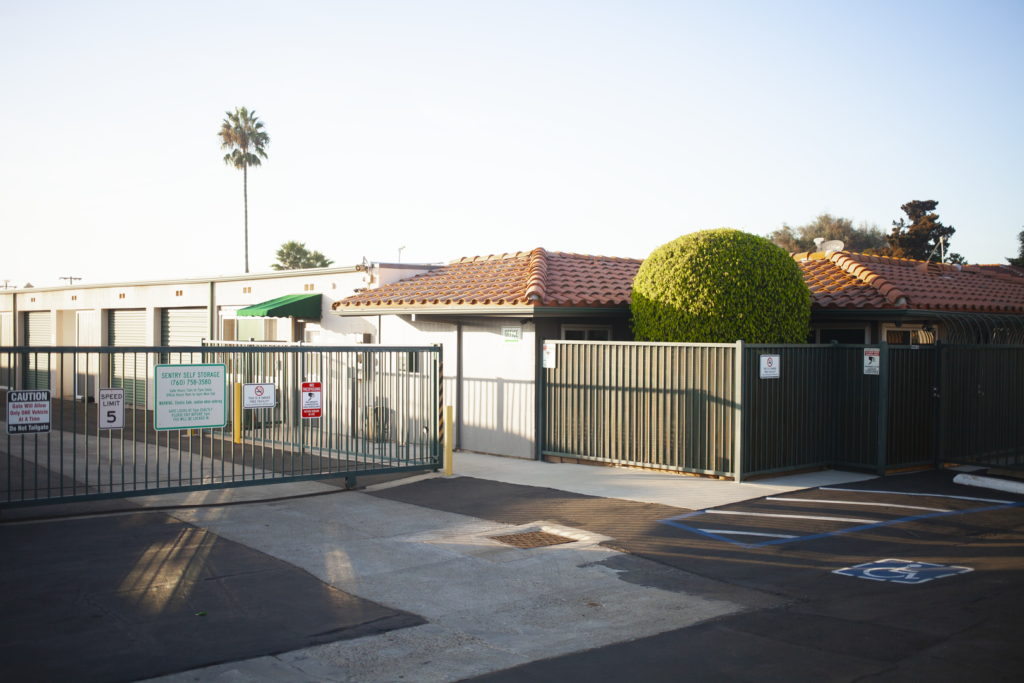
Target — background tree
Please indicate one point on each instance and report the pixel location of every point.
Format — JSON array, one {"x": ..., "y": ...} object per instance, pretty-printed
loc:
[
  {"x": 718, "y": 286},
  {"x": 864, "y": 238},
  {"x": 919, "y": 238},
  {"x": 294, "y": 255},
  {"x": 243, "y": 134},
  {"x": 1019, "y": 261}
]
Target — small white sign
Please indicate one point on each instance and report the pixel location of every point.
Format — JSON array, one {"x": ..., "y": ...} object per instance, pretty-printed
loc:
[
  {"x": 111, "y": 413},
  {"x": 259, "y": 396},
  {"x": 550, "y": 357},
  {"x": 872, "y": 361},
  {"x": 769, "y": 366},
  {"x": 190, "y": 396},
  {"x": 512, "y": 335},
  {"x": 28, "y": 412}
]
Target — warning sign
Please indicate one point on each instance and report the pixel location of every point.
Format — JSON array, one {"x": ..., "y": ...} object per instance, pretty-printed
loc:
[
  {"x": 550, "y": 357},
  {"x": 311, "y": 404},
  {"x": 769, "y": 366},
  {"x": 28, "y": 412},
  {"x": 872, "y": 361}
]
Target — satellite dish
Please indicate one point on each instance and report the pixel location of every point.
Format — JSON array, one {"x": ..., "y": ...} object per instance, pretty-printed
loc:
[{"x": 833, "y": 245}]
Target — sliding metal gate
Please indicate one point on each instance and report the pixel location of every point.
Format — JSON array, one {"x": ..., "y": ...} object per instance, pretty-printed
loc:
[{"x": 381, "y": 410}]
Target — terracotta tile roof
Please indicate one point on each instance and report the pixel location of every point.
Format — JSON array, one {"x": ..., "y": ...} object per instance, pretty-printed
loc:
[
  {"x": 848, "y": 280},
  {"x": 523, "y": 278},
  {"x": 1002, "y": 268}
]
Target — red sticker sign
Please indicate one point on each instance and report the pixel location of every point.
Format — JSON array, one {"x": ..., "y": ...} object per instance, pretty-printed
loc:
[{"x": 311, "y": 403}]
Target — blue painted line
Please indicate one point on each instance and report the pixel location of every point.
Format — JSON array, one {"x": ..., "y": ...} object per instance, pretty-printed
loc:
[{"x": 671, "y": 521}]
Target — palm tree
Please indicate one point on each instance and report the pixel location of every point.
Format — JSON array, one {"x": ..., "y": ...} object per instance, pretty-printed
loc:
[{"x": 242, "y": 133}]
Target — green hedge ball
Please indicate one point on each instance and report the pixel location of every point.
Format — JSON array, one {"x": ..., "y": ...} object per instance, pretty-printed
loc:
[{"x": 719, "y": 286}]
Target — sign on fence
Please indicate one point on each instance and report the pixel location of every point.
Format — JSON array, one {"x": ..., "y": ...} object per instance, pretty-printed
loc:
[
  {"x": 872, "y": 361},
  {"x": 190, "y": 396},
  {"x": 550, "y": 357},
  {"x": 769, "y": 366},
  {"x": 311, "y": 403},
  {"x": 111, "y": 412},
  {"x": 259, "y": 396},
  {"x": 28, "y": 412}
]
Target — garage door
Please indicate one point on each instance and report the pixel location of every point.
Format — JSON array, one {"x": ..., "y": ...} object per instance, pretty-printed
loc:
[
  {"x": 182, "y": 327},
  {"x": 128, "y": 370},
  {"x": 37, "y": 365}
]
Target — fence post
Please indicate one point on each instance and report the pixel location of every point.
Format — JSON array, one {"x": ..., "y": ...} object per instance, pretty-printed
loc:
[
  {"x": 237, "y": 417},
  {"x": 737, "y": 451},
  {"x": 448, "y": 438},
  {"x": 883, "y": 405},
  {"x": 939, "y": 393}
]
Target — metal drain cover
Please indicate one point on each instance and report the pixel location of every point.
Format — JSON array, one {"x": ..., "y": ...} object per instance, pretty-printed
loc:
[{"x": 532, "y": 539}]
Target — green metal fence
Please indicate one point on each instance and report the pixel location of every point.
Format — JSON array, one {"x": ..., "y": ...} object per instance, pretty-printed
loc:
[
  {"x": 671, "y": 406},
  {"x": 380, "y": 412},
  {"x": 713, "y": 409}
]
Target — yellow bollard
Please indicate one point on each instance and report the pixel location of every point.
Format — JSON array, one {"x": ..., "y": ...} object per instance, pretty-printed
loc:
[
  {"x": 449, "y": 439},
  {"x": 238, "y": 412}
]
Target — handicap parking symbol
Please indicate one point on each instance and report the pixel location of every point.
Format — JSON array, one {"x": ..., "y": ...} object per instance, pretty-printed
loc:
[{"x": 901, "y": 571}]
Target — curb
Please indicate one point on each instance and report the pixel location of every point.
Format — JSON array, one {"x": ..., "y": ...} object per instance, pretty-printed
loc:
[{"x": 990, "y": 483}]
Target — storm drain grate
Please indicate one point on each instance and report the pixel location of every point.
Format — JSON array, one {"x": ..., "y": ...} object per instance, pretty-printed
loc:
[{"x": 532, "y": 539}]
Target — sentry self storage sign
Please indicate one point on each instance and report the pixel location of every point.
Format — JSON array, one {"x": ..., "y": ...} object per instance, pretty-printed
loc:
[{"x": 28, "y": 412}]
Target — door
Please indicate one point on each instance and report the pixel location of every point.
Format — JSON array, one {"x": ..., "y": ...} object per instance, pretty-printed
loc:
[
  {"x": 38, "y": 332},
  {"x": 128, "y": 370},
  {"x": 182, "y": 327}
]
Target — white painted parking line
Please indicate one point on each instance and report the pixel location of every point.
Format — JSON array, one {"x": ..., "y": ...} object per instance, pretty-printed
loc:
[
  {"x": 857, "y": 502},
  {"x": 768, "y": 514},
  {"x": 927, "y": 495},
  {"x": 743, "y": 533}
]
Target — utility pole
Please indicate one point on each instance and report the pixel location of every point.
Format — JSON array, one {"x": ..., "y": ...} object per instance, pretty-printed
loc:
[
  {"x": 6, "y": 287},
  {"x": 71, "y": 280}
]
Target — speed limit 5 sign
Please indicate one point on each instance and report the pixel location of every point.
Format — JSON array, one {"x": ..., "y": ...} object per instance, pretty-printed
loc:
[{"x": 111, "y": 413}]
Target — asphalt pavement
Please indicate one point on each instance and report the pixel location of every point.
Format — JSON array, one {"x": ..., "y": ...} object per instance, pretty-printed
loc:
[{"x": 833, "y": 626}]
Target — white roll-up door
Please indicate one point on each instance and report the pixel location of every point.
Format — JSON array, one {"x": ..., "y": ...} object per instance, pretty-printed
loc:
[
  {"x": 38, "y": 332},
  {"x": 128, "y": 370},
  {"x": 183, "y": 327}
]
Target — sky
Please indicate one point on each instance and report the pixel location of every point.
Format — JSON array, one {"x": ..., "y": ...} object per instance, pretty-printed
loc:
[{"x": 480, "y": 127}]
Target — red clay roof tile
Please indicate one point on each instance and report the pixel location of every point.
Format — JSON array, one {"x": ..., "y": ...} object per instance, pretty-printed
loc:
[
  {"x": 534, "y": 278},
  {"x": 884, "y": 282}
]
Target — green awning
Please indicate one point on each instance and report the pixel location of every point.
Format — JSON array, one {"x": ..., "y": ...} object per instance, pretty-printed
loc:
[{"x": 291, "y": 306}]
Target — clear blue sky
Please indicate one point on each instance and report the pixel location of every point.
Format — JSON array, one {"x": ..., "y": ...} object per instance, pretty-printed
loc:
[{"x": 462, "y": 128}]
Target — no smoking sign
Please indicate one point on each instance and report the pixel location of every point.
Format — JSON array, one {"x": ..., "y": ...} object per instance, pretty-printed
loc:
[
  {"x": 769, "y": 366},
  {"x": 259, "y": 396}
]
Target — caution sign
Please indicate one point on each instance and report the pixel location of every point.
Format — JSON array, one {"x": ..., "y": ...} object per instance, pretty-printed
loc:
[
  {"x": 769, "y": 367},
  {"x": 311, "y": 403},
  {"x": 872, "y": 361},
  {"x": 111, "y": 413},
  {"x": 28, "y": 412}
]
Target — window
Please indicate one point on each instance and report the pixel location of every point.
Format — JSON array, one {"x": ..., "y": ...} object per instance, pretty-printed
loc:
[
  {"x": 33, "y": 299},
  {"x": 909, "y": 337},
  {"x": 74, "y": 297},
  {"x": 179, "y": 292},
  {"x": 121, "y": 295},
  {"x": 307, "y": 288},
  {"x": 849, "y": 335},
  {"x": 246, "y": 290},
  {"x": 587, "y": 332}
]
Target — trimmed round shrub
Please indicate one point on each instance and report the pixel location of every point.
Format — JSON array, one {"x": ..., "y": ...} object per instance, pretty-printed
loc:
[{"x": 718, "y": 286}]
